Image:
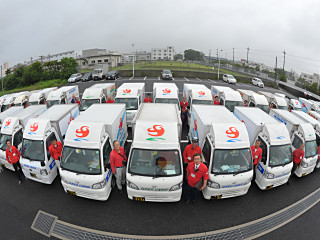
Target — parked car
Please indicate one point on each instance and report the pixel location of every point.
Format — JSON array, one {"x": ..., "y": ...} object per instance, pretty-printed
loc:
[
  {"x": 257, "y": 82},
  {"x": 166, "y": 74},
  {"x": 113, "y": 75},
  {"x": 75, "y": 77},
  {"x": 86, "y": 77},
  {"x": 229, "y": 78}
]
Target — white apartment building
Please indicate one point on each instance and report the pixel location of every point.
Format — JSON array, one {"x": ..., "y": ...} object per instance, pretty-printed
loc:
[
  {"x": 162, "y": 53},
  {"x": 139, "y": 56},
  {"x": 311, "y": 78}
]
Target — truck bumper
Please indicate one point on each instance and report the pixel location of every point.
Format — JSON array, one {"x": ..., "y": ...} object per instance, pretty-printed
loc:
[
  {"x": 95, "y": 194},
  {"x": 265, "y": 183},
  {"x": 212, "y": 193},
  {"x": 301, "y": 172},
  {"x": 46, "y": 179},
  {"x": 5, "y": 164},
  {"x": 152, "y": 196}
]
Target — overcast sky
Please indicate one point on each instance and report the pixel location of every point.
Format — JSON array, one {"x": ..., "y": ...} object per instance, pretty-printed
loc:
[{"x": 267, "y": 27}]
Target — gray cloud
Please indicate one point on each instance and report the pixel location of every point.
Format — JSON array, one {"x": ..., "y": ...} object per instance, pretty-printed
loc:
[{"x": 35, "y": 27}]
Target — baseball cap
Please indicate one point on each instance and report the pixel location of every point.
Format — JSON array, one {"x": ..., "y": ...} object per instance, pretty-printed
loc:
[{"x": 195, "y": 140}]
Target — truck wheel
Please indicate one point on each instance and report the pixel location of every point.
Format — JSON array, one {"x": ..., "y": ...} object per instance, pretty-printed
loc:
[{"x": 113, "y": 182}]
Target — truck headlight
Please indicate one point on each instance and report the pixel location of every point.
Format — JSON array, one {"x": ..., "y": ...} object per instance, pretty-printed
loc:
[
  {"x": 99, "y": 185},
  {"x": 268, "y": 175},
  {"x": 132, "y": 185},
  {"x": 304, "y": 164},
  {"x": 176, "y": 187},
  {"x": 213, "y": 184},
  {"x": 43, "y": 172}
]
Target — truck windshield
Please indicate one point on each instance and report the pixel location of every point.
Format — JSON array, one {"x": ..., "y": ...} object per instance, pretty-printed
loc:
[
  {"x": 311, "y": 148},
  {"x": 167, "y": 100},
  {"x": 231, "y": 104},
  {"x": 264, "y": 108},
  {"x": 228, "y": 161},
  {"x": 86, "y": 103},
  {"x": 5, "y": 107},
  {"x": 50, "y": 103},
  {"x": 97, "y": 71},
  {"x": 32, "y": 103},
  {"x": 3, "y": 141},
  {"x": 280, "y": 155},
  {"x": 131, "y": 103},
  {"x": 33, "y": 150},
  {"x": 205, "y": 102},
  {"x": 298, "y": 109},
  {"x": 282, "y": 107},
  {"x": 80, "y": 160},
  {"x": 164, "y": 163}
]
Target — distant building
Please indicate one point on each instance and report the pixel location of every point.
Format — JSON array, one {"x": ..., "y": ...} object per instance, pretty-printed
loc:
[
  {"x": 93, "y": 52},
  {"x": 5, "y": 66},
  {"x": 314, "y": 78},
  {"x": 162, "y": 53},
  {"x": 112, "y": 58},
  {"x": 139, "y": 56},
  {"x": 54, "y": 57}
]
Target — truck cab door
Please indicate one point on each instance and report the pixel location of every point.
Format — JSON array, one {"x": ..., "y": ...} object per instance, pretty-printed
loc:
[
  {"x": 50, "y": 161},
  {"x": 251, "y": 104},
  {"x": 296, "y": 141},
  {"x": 17, "y": 139},
  {"x": 207, "y": 152},
  {"x": 262, "y": 165},
  {"x": 106, "y": 150}
]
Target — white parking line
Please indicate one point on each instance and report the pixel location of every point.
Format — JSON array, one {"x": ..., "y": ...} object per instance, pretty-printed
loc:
[
  {"x": 186, "y": 79},
  {"x": 199, "y": 79},
  {"x": 130, "y": 78},
  {"x": 173, "y": 79},
  {"x": 158, "y": 78},
  {"x": 118, "y": 78},
  {"x": 145, "y": 78}
]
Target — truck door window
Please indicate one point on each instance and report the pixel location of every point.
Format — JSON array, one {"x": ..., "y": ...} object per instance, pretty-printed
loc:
[
  {"x": 252, "y": 104},
  {"x": 189, "y": 101},
  {"x": 296, "y": 142},
  {"x": 206, "y": 151},
  {"x": 17, "y": 138},
  {"x": 264, "y": 148},
  {"x": 221, "y": 102},
  {"x": 63, "y": 101},
  {"x": 318, "y": 140},
  {"x": 42, "y": 101},
  {"x": 103, "y": 100},
  {"x": 106, "y": 151}
]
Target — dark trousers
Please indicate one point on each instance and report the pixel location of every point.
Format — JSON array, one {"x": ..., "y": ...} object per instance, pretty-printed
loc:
[
  {"x": 192, "y": 193},
  {"x": 294, "y": 168},
  {"x": 17, "y": 168},
  {"x": 184, "y": 117}
]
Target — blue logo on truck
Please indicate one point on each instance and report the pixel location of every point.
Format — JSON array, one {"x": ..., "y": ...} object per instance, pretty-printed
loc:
[{"x": 260, "y": 168}]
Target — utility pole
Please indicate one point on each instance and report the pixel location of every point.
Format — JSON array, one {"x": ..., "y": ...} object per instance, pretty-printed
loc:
[
  {"x": 41, "y": 57},
  {"x": 218, "y": 55},
  {"x": 2, "y": 81},
  {"x": 31, "y": 60},
  {"x": 284, "y": 59},
  {"x": 49, "y": 57},
  {"x": 233, "y": 55},
  {"x": 133, "y": 60},
  {"x": 248, "y": 55},
  {"x": 209, "y": 60},
  {"x": 275, "y": 72}
]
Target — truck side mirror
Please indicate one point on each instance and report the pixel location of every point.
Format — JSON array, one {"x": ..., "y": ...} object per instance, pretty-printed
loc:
[
  {"x": 264, "y": 160},
  {"x": 107, "y": 166},
  {"x": 43, "y": 164}
]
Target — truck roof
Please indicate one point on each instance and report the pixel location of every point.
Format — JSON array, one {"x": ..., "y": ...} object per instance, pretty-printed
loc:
[
  {"x": 36, "y": 95},
  {"x": 201, "y": 94},
  {"x": 102, "y": 85},
  {"x": 10, "y": 111},
  {"x": 314, "y": 114},
  {"x": 280, "y": 101},
  {"x": 21, "y": 97},
  {"x": 278, "y": 133},
  {"x": 166, "y": 92},
  {"x": 11, "y": 96},
  {"x": 227, "y": 130},
  {"x": 29, "y": 111},
  {"x": 57, "y": 93},
  {"x": 194, "y": 86},
  {"x": 307, "y": 118},
  {"x": 260, "y": 99},
  {"x": 156, "y": 127},
  {"x": 267, "y": 94},
  {"x": 287, "y": 116},
  {"x": 233, "y": 96},
  {"x": 220, "y": 89},
  {"x": 92, "y": 93},
  {"x": 255, "y": 115},
  {"x": 127, "y": 92},
  {"x": 56, "y": 112},
  {"x": 132, "y": 85},
  {"x": 165, "y": 85},
  {"x": 245, "y": 92}
]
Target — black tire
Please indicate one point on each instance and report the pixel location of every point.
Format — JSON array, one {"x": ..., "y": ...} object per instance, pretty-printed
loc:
[{"x": 113, "y": 183}]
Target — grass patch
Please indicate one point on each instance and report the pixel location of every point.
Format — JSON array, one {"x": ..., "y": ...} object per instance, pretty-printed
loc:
[{"x": 38, "y": 85}]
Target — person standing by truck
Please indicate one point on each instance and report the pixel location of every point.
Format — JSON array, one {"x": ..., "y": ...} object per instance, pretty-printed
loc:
[
  {"x": 256, "y": 153},
  {"x": 190, "y": 150},
  {"x": 148, "y": 99},
  {"x": 109, "y": 100},
  {"x": 55, "y": 149},
  {"x": 216, "y": 100},
  {"x": 245, "y": 103},
  {"x": 118, "y": 162},
  {"x": 13, "y": 157},
  {"x": 298, "y": 155},
  {"x": 196, "y": 173},
  {"x": 184, "y": 105}
]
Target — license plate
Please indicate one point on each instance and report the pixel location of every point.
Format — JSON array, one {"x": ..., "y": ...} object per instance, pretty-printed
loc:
[
  {"x": 33, "y": 175},
  {"x": 216, "y": 197},
  {"x": 304, "y": 174},
  {"x": 71, "y": 193},
  {"x": 269, "y": 187},
  {"x": 141, "y": 199}
]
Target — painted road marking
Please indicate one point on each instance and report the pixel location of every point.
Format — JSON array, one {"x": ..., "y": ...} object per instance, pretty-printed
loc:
[
  {"x": 186, "y": 79},
  {"x": 145, "y": 78}
]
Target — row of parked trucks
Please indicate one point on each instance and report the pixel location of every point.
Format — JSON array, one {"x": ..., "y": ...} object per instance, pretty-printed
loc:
[{"x": 155, "y": 165}]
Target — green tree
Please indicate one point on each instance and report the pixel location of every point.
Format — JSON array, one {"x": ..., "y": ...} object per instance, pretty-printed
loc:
[
  {"x": 68, "y": 67},
  {"x": 193, "y": 55},
  {"x": 8, "y": 71},
  {"x": 32, "y": 74},
  {"x": 178, "y": 57}
]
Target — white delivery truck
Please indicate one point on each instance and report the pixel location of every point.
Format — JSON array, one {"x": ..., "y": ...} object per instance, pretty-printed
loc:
[
  {"x": 196, "y": 94},
  {"x": 97, "y": 93},
  {"x": 40, "y": 97},
  {"x": 166, "y": 93},
  {"x": 277, "y": 101},
  {"x": 85, "y": 168},
  {"x": 308, "y": 105},
  {"x": 9, "y": 102},
  {"x": 132, "y": 94},
  {"x": 294, "y": 104},
  {"x": 63, "y": 95},
  {"x": 155, "y": 170},
  {"x": 254, "y": 100},
  {"x": 13, "y": 128},
  {"x": 10, "y": 112},
  {"x": 36, "y": 162},
  {"x": 22, "y": 99},
  {"x": 227, "y": 96},
  {"x": 100, "y": 71},
  {"x": 275, "y": 167},
  {"x": 226, "y": 151},
  {"x": 300, "y": 132}
]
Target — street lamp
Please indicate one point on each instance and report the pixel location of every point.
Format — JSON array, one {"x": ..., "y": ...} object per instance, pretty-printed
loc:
[
  {"x": 219, "y": 63},
  {"x": 133, "y": 60}
]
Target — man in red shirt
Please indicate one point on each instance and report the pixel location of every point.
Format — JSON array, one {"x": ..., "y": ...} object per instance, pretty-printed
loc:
[
  {"x": 118, "y": 162},
  {"x": 216, "y": 100},
  {"x": 13, "y": 157},
  {"x": 256, "y": 152},
  {"x": 318, "y": 154},
  {"x": 148, "y": 99},
  {"x": 245, "y": 103},
  {"x": 195, "y": 172},
  {"x": 190, "y": 150},
  {"x": 55, "y": 150},
  {"x": 298, "y": 155},
  {"x": 109, "y": 100},
  {"x": 78, "y": 101},
  {"x": 184, "y": 109}
]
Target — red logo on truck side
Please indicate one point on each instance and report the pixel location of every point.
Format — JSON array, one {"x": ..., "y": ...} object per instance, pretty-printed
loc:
[
  {"x": 195, "y": 125},
  {"x": 232, "y": 132},
  {"x": 167, "y": 90},
  {"x": 82, "y": 132},
  {"x": 201, "y": 93},
  {"x": 156, "y": 131},
  {"x": 34, "y": 127},
  {"x": 127, "y": 91},
  {"x": 8, "y": 122}
]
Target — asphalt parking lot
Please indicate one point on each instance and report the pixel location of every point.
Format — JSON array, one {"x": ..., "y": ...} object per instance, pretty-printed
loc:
[{"x": 20, "y": 204}]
